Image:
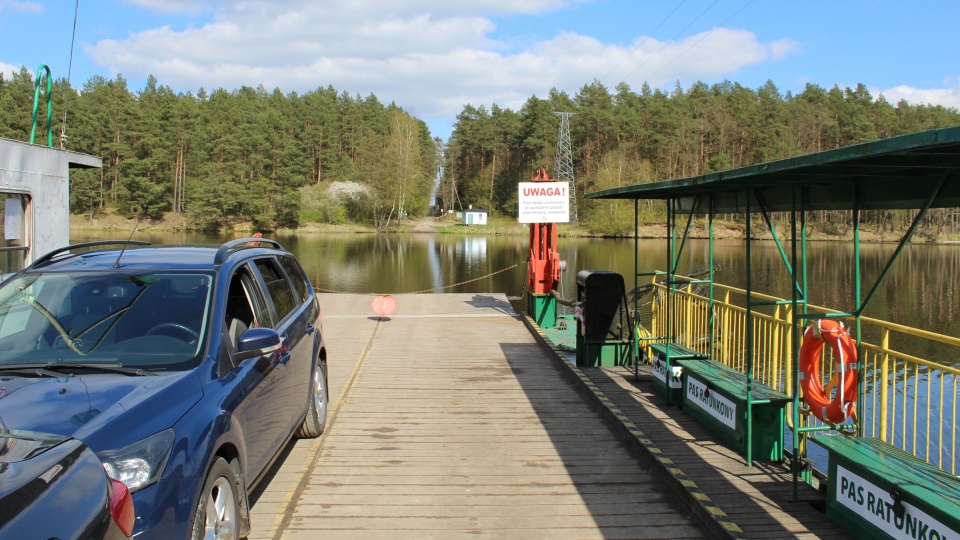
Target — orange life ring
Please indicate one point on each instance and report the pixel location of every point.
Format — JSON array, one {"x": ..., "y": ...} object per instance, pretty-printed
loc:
[{"x": 844, "y": 402}]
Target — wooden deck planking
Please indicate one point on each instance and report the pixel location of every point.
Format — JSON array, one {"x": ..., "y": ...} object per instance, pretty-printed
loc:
[
  {"x": 458, "y": 424},
  {"x": 756, "y": 498}
]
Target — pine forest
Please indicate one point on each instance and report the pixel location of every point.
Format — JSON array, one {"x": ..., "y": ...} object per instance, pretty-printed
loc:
[{"x": 279, "y": 160}]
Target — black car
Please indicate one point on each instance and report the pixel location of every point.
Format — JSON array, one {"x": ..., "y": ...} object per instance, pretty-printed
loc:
[
  {"x": 185, "y": 368},
  {"x": 55, "y": 487}
]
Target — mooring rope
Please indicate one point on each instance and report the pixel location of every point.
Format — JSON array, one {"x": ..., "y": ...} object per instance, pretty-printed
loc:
[{"x": 321, "y": 289}]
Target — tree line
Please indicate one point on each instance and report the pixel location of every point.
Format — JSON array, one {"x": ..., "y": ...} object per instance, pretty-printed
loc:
[
  {"x": 223, "y": 157},
  {"x": 281, "y": 160},
  {"x": 624, "y": 137}
]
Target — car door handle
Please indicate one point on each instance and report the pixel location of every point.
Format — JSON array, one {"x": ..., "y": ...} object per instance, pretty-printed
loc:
[
  {"x": 310, "y": 328},
  {"x": 285, "y": 357}
]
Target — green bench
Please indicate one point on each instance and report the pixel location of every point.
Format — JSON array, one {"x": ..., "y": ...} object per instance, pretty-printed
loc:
[
  {"x": 716, "y": 396},
  {"x": 876, "y": 490},
  {"x": 670, "y": 387}
]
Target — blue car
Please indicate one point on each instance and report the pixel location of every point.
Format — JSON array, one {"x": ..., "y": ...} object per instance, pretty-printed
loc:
[{"x": 186, "y": 369}]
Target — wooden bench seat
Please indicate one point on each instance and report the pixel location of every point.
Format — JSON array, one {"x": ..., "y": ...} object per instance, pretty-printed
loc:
[
  {"x": 876, "y": 490},
  {"x": 716, "y": 395}
]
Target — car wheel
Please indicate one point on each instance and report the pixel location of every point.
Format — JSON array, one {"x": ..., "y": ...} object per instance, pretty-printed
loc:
[
  {"x": 316, "y": 419},
  {"x": 218, "y": 512}
]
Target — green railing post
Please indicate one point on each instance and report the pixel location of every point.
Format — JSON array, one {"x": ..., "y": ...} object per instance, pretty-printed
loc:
[
  {"x": 792, "y": 374},
  {"x": 858, "y": 305}
]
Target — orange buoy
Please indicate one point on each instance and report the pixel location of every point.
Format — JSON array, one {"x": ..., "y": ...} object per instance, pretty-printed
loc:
[
  {"x": 384, "y": 305},
  {"x": 844, "y": 379}
]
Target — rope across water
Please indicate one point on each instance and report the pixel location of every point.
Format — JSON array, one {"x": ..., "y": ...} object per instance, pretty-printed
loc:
[{"x": 442, "y": 287}]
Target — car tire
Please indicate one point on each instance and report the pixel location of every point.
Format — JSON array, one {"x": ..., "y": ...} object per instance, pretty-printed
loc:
[
  {"x": 316, "y": 420},
  {"x": 218, "y": 512}
]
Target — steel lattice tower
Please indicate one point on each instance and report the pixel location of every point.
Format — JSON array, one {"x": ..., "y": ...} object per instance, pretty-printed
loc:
[{"x": 563, "y": 166}]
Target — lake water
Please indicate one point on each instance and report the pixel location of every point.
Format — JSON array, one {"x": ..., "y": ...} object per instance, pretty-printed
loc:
[{"x": 922, "y": 290}]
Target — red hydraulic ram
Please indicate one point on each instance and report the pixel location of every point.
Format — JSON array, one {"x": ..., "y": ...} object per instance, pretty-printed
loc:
[{"x": 543, "y": 267}]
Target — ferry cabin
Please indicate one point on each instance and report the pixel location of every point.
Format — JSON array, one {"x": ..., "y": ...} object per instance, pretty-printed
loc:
[{"x": 35, "y": 188}]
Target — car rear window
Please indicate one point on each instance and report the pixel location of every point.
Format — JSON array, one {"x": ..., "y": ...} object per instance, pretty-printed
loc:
[
  {"x": 277, "y": 287},
  {"x": 296, "y": 276}
]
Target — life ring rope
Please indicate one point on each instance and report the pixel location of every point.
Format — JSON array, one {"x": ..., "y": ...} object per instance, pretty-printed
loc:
[{"x": 843, "y": 381}]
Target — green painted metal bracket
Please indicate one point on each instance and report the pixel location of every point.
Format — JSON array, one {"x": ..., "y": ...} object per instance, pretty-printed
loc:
[
  {"x": 776, "y": 240},
  {"x": 36, "y": 104},
  {"x": 686, "y": 234},
  {"x": 906, "y": 238}
]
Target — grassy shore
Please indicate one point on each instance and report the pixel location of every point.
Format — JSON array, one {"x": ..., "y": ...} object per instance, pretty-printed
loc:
[{"x": 495, "y": 227}]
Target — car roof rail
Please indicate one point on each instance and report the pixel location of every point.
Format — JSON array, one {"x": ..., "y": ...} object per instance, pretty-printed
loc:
[
  {"x": 51, "y": 255},
  {"x": 241, "y": 243}
]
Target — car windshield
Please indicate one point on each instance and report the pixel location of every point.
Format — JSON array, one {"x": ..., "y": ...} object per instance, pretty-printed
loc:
[{"x": 153, "y": 321}]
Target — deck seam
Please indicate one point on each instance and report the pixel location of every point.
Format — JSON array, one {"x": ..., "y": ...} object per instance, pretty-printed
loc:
[
  {"x": 284, "y": 518},
  {"x": 710, "y": 514}
]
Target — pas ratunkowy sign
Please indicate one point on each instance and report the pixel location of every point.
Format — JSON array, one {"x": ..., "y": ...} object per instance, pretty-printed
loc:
[
  {"x": 875, "y": 505},
  {"x": 660, "y": 372},
  {"x": 544, "y": 202},
  {"x": 713, "y": 403}
]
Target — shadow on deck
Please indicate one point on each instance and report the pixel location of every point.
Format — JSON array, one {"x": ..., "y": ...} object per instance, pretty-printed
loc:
[{"x": 740, "y": 501}]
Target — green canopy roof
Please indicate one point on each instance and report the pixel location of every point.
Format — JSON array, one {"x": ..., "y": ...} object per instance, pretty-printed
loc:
[{"x": 899, "y": 172}]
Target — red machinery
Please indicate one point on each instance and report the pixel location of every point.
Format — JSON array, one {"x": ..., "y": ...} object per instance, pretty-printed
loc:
[{"x": 543, "y": 267}]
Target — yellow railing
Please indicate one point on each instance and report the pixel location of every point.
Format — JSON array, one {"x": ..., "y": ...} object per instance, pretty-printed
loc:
[{"x": 909, "y": 401}]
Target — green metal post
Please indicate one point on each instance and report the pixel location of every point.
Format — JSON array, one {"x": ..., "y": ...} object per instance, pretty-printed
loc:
[
  {"x": 671, "y": 278},
  {"x": 806, "y": 302},
  {"x": 749, "y": 351},
  {"x": 711, "y": 318},
  {"x": 803, "y": 254},
  {"x": 794, "y": 349},
  {"x": 636, "y": 283},
  {"x": 858, "y": 307}
]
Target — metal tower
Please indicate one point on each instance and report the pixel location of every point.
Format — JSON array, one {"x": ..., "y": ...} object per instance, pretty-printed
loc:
[{"x": 563, "y": 165}]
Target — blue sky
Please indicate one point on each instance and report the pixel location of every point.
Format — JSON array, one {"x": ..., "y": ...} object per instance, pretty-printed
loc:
[{"x": 432, "y": 57}]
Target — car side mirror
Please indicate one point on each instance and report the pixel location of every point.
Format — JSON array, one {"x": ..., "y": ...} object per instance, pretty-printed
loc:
[{"x": 256, "y": 342}]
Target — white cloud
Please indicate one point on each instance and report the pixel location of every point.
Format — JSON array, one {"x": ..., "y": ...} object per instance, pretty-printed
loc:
[
  {"x": 429, "y": 56},
  {"x": 710, "y": 55},
  {"x": 20, "y": 7},
  {"x": 780, "y": 49},
  {"x": 8, "y": 70},
  {"x": 948, "y": 97}
]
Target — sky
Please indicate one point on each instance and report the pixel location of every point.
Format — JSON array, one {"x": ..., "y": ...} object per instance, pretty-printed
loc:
[{"x": 433, "y": 57}]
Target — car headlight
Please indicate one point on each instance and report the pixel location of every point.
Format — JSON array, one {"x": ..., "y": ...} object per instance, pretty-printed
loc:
[{"x": 141, "y": 463}]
